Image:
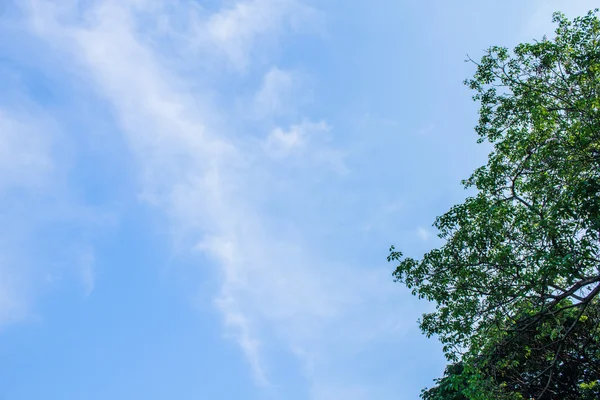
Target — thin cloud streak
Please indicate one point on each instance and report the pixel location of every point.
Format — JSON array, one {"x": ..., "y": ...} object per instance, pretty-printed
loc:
[{"x": 26, "y": 166}]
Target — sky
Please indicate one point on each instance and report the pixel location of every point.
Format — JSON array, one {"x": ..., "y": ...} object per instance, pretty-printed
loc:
[{"x": 197, "y": 198}]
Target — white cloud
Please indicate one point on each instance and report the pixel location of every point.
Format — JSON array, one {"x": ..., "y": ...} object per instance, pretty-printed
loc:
[
  {"x": 198, "y": 171},
  {"x": 185, "y": 167}
]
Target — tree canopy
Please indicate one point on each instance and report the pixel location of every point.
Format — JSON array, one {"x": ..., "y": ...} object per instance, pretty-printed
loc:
[{"x": 516, "y": 281}]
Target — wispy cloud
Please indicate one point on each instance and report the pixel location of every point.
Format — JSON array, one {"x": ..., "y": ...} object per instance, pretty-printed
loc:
[
  {"x": 202, "y": 172},
  {"x": 239, "y": 30},
  {"x": 276, "y": 93},
  {"x": 26, "y": 165},
  {"x": 37, "y": 204}
]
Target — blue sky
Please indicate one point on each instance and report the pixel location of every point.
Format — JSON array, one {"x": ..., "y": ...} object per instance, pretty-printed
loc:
[{"x": 198, "y": 196}]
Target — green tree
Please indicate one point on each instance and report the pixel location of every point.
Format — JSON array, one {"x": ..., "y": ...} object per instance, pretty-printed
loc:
[{"x": 521, "y": 259}]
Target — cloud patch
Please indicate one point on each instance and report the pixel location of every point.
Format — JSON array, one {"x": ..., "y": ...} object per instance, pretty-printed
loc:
[{"x": 281, "y": 143}]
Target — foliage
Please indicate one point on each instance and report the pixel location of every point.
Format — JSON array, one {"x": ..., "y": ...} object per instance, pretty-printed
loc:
[
  {"x": 451, "y": 386},
  {"x": 537, "y": 356},
  {"x": 517, "y": 279},
  {"x": 462, "y": 381},
  {"x": 517, "y": 366}
]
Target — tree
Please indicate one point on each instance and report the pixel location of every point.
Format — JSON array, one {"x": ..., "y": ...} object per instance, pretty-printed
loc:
[{"x": 523, "y": 254}]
